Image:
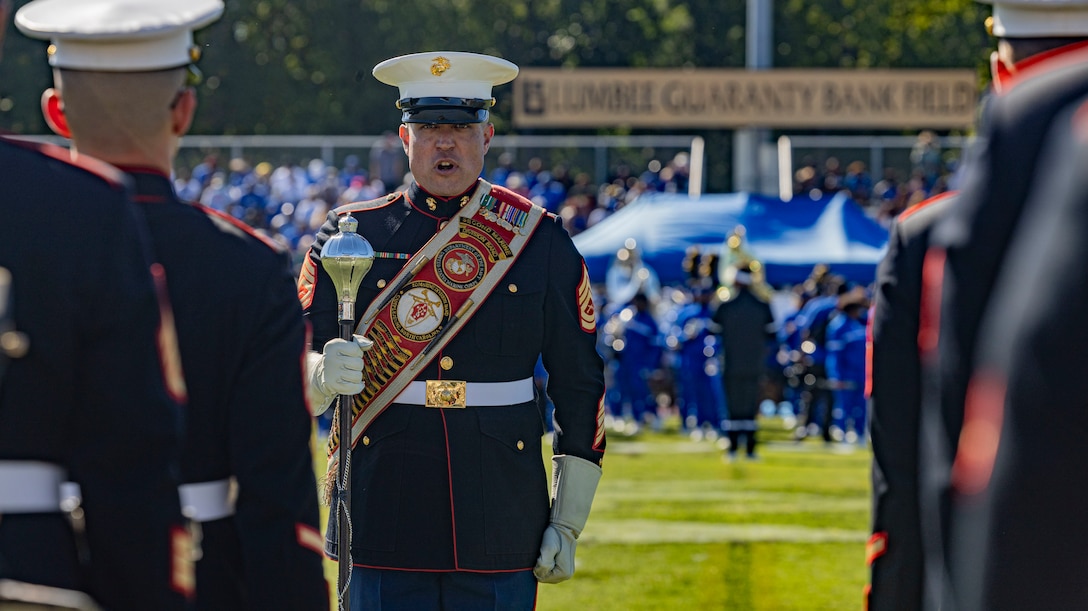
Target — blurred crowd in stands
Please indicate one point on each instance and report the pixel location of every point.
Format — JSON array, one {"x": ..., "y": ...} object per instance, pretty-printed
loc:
[
  {"x": 931, "y": 169},
  {"x": 289, "y": 201}
]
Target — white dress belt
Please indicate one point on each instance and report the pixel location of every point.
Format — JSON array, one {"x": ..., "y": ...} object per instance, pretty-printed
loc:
[
  {"x": 208, "y": 501},
  {"x": 30, "y": 486},
  {"x": 477, "y": 394}
]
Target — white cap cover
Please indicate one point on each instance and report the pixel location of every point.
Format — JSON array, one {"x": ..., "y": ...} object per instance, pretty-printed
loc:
[
  {"x": 1039, "y": 18},
  {"x": 446, "y": 74},
  {"x": 118, "y": 35}
]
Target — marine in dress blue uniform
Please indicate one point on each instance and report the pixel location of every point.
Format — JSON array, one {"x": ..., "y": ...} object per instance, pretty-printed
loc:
[
  {"x": 246, "y": 467},
  {"x": 450, "y": 507},
  {"x": 1024, "y": 421},
  {"x": 895, "y": 554},
  {"x": 1008, "y": 540},
  {"x": 86, "y": 306},
  {"x": 85, "y": 365},
  {"x": 1042, "y": 43}
]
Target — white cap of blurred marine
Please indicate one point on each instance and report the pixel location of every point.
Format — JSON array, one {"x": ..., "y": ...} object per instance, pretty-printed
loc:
[
  {"x": 118, "y": 35},
  {"x": 445, "y": 86},
  {"x": 1039, "y": 18}
]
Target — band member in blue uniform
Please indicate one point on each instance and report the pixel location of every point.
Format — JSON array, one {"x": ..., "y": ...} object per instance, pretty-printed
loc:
[
  {"x": 122, "y": 93},
  {"x": 699, "y": 369},
  {"x": 817, "y": 397},
  {"x": 637, "y": 354},
  {"x": 846, "y": 364},
  {"x": 450, "y": 504},
  {"x": 80, "y": 339}
]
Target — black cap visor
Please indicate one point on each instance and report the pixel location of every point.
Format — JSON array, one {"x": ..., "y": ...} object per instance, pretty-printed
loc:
[{"x": 444, "y": 110}]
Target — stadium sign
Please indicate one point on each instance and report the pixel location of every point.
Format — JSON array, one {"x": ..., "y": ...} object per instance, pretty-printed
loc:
[{"x": 718, "y": 98}]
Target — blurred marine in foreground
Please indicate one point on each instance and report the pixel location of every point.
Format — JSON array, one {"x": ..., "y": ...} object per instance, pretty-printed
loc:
[
  {"x": 935, "y": 421},
  {"x": 83, "y": 396},
  {"x": 1011, "y": 297},
  {"x": 124, "y": 92}
]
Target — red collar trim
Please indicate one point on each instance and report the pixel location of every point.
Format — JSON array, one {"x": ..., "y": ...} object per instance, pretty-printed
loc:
[
  {"x": 1006, "y": 79},
  {"x": 925, "y": 204}
]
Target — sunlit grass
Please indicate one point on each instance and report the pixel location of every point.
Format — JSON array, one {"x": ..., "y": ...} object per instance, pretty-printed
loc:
[
  {"x": 674, "y": 526},
  {"x": 723, "y": 575}
]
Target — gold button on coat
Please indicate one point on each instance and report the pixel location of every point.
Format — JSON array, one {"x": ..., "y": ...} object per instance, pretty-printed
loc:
[
  {"x": 381, "y": 283},
  {"x": 513, "y": 288},
  {"x": 366, "y": 440},
  {"x": 521, "y": 445},
  {"x": 446, "y": 363}
]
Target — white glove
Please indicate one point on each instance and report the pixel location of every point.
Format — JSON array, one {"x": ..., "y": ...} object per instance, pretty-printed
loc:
[
  {"x": 337, "y": 370},
  {"x": 574, "y": 482}
]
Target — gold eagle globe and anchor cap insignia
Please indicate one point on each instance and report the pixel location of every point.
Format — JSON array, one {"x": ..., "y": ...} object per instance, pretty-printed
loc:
[
  {"x": 440, "y": 65},
  {"x": 445, "y": 87}
]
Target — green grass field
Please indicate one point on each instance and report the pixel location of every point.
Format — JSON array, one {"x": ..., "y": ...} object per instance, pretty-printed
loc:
[{"x": 675, "y": 527}]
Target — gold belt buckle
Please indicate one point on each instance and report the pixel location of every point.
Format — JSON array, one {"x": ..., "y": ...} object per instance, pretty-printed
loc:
[{"x": 445, "y": 393}]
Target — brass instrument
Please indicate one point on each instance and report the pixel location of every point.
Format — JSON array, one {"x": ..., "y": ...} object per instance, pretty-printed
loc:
[
  {"x": 628, "y": 276},
  {"x": 734, "y": 256}
]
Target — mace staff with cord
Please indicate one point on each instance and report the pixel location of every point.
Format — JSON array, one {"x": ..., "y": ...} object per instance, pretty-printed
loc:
[{"x": 347, "y": 257}]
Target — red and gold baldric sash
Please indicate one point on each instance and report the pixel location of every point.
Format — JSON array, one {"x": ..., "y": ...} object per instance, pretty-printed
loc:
[{"x": 433, "y": 296}]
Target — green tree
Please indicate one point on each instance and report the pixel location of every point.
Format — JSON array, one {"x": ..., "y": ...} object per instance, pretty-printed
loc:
[
  {"x": 880, "y": 34},
  {"x": 303, "y": 66}
]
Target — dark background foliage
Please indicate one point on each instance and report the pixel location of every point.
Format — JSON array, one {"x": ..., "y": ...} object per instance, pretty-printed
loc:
[{"x": 303, "y": 66}]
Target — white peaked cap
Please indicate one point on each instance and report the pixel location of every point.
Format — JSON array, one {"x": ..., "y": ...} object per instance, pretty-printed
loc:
[
  {"x": 118, "y": 35},
  {"x": 1039, "y": 18},
  {"x": 445, "y": 74}
]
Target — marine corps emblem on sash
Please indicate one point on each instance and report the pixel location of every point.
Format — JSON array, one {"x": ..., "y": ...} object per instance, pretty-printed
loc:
[
  {"x": 459, "y": 266},
  {"x": 419, "y": 310}
]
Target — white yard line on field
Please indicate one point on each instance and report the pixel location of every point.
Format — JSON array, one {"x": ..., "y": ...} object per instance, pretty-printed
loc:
[{"x": 661, "y": 531}]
